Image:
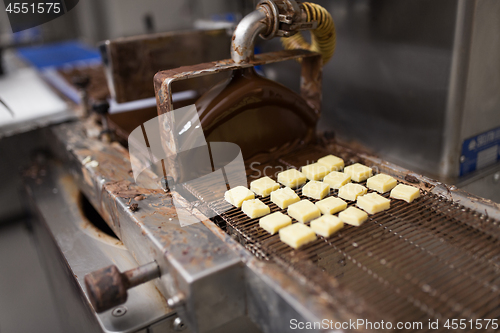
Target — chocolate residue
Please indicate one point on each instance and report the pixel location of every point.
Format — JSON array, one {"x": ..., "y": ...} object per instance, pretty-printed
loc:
[
  {"x": 411, "y": 179},
  {"x": 126, "y": 189}
]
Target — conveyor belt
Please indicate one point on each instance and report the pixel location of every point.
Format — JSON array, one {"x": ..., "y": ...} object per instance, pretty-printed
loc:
[{"x": 430, "y": 259}]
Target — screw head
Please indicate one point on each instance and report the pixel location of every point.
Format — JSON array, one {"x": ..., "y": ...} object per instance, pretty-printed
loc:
[{"x": 119, "y": 311}]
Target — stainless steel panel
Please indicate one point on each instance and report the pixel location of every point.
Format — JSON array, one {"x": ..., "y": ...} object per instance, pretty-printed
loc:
[{"x": 410, "y": 80}]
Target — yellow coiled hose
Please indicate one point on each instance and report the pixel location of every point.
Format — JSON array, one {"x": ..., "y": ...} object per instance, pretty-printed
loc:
[{"x": 323, "y": 37}]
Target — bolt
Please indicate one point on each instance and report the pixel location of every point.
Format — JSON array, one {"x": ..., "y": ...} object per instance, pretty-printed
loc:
[
  {"x": 179, "y": 325},
  {"x": 176, "y": 300},
  {"x": 462, "y": 159},
  {"x": 134, "y": 207},
  {"x": 119, "y": 311}
]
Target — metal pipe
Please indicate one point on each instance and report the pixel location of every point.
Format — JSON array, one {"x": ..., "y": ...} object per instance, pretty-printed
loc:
[
  {"x": 242, "y": 46},
  {"x": 142, "y": 274}
]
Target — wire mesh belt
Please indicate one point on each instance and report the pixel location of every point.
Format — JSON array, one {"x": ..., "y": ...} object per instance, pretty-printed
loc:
[{"x": 430, "y": 259}]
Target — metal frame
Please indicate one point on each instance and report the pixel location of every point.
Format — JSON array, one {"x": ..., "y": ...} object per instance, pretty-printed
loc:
[{"x": 310, "y": 89}]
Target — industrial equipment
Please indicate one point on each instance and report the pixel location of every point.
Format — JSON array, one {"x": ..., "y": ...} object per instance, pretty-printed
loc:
[{"x": 433, "y": 259}]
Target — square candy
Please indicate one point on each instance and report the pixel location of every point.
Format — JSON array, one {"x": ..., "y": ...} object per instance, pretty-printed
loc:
[
  {"x": 274, "y": 222},
  {"x": 316, "y": 190},
  {"x": 327, "y": 225},
  {"x": 296, "y": 235},
  {"x": 353, "y": 216},
  {"x": 336, "y": 179},
  {"x": 284, "y": 197},
  {"x": 333, "y": 163},
  {"x": 351, "y": 191},
  {"x": 381, "y": 183},
  {"x": 264, "y": 186},
  {"x": 373, "y": 203},
  {"x": 358, "y": 172},
  {"x": 292, "y": 178},
  {"x": 331, "y": 205},
  {"x": 237, "y": 195},
  {"x": 304, "y": 211},
  {"x": 255, "y": 208},
  {"x": 315, "y": 171},
  {"x": 405, "y": 192}
]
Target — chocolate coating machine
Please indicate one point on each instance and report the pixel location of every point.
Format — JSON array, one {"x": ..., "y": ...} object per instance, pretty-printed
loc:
[{"x": 434, "y": 259}]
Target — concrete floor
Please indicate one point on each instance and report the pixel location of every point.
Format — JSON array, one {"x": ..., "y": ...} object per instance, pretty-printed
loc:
[{"x": 26, "y": 304}]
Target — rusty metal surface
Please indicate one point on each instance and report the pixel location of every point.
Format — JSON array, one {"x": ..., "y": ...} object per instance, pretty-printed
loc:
[{"x": 132, "y": 62}]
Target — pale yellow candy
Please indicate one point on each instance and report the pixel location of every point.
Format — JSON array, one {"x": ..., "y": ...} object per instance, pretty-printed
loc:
[
  {"x": 264, "y": 186},
  {"x": 381, "y": 183},
  {"x": 327, "y": 225},
  {"x": 336, "y": 179},
  {"x": 304, "y": 211},
  {"x": 332, "y": 162},
  {"x": 351, "y": 191},
  {"x": 274, "y": 222},
  {"x": 373, "y": 203},
  {"x": 353, "y": 216},
  {"x": 358, "y": 172},
  {"x": 292, "y": 178},
  {"x": 331, "y": 205},
  {"x": 284, "y": 197},
  {"x": 237, "y": 195},
  {"x": 296, "y": 235},
  {"x": 405, "y": 192},
  {"x": 315, "y": 171},
  {"x": 316, "y": 190},
  {"x": 255, "y": 208}
]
